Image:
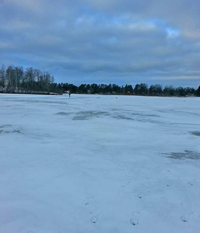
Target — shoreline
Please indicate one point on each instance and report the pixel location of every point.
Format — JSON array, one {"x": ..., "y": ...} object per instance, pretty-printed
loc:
[{"x": 53, "y": 93}]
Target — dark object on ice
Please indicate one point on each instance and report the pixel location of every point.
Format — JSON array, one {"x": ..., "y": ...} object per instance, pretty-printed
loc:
[
  {"x": 196, "y": 133},
  {"x": 69, "y": 94}
]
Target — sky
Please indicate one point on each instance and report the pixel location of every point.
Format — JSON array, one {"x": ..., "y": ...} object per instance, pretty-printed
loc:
[{"x": 104, "y": 41}]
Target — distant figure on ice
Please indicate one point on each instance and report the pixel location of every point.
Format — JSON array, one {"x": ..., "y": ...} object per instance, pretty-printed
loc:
[{"x": 69, "y": 94}]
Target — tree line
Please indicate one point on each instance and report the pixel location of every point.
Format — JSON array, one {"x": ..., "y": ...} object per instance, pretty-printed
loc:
[
  {"x": 139, "y": 89},
  {"x": 19, "y": 80},
  {"x": 16, "y": 79}
]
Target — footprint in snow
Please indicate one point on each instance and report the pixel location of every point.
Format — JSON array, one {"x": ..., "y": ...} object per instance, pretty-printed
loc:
[
  {"x": 189, "y": 216},
  {"x": 135, "y": 218},
  {"x": 88, "y": 200},
  {"x": 95, "y": 218},
  {"x": 183, "y": 218}
]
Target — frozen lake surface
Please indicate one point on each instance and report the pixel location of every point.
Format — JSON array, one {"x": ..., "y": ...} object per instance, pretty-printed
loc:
[{"x": 99, "y": 164}]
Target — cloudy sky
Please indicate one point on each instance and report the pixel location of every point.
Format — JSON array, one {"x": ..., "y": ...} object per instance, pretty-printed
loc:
[{"x": 104, "y": 41}]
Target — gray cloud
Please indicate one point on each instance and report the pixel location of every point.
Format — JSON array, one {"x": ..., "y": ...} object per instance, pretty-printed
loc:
[{"x": 121, "y": 42}]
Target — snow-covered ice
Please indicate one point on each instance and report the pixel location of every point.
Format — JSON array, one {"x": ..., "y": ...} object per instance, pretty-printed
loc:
[{"x": 99, "y": 164}]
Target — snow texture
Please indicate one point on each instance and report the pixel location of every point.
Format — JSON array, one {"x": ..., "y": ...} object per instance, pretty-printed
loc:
[{"x": 99, "y": 164}]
